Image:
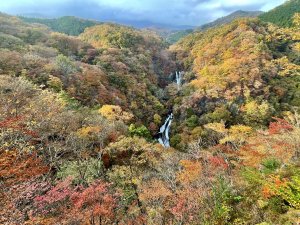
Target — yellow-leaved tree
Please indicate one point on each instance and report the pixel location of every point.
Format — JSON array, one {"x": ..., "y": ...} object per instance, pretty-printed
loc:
[
  {"x": 115, "y": 113},
  {"x": 296, "y": 20}
]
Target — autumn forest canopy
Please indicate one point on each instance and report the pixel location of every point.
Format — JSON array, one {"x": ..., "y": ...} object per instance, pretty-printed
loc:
[{"x": 82, "y": 101}]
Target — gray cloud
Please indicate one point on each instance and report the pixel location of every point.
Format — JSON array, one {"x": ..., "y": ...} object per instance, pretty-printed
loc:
[{"x": 177, "y": 12}]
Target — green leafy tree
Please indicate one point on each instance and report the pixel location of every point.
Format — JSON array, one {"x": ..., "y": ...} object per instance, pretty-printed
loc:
[
  {"x": 157, "y": 119},
  {"x": 193, "y": 121},
  {"x": 65, "y": 65},
  {"x": 140, "y": 131},
  {"x": 55, "y": 83},
  {"x": 296, "y": 20},
  {"x": 256, "y": 114},
  {"x": 82, "y": 171}
]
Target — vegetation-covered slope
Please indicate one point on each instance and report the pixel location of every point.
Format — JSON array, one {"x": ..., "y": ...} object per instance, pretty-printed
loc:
[
  {"x": 117, "y": 36},
  {"x": 68, "y": 24},
  {"x": 235, "y": 74},
  {"x": 173, "y": 37},
  {"x": 229, "y": 18},
  {"x": 124, "y": 67},
  {"x": 283, "y": 14}
]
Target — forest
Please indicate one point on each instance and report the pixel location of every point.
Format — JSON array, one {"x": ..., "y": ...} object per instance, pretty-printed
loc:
[
  {"x": 80, "y": 106},
  {"x": 283, "y": 14},
  {"x": 67, "y": 24}
]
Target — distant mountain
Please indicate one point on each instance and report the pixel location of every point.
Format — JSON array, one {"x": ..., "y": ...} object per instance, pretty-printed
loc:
[
  {"x": 56, "y": 22},
  {"x": 175, "y": 36},
  {"x": 34, "y": 15},
  {"x": 171, "y": 36},
  {"x": 171, "y": 33},
  {"x": 74, "y": 26},
  {"x": 230, "y": 18},
  {"x": 282, "y": 15},
  {"x": 144, "y": 24},
  {"x": 68, "y": 24}
]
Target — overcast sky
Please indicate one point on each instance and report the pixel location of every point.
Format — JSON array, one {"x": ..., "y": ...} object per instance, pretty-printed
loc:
[{"x": 177, "y": 12}]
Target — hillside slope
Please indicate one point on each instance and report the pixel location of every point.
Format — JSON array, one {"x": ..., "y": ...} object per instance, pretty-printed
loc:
[
  {"x": 229, "y": 18},
  {"x": 283, "y": 14},
  {"x": 123, "y": 67},
  {"x": 232, "y": 69},
  {"x": 68, "y": 24},
  {"x": 173, "y": 37}
]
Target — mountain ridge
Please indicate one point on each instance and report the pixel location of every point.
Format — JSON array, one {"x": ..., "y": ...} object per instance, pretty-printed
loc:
[
  {"x": 175, "y": 36},
  {"x": 70, "y": 25},
  {"x": 229, "y": 18}
]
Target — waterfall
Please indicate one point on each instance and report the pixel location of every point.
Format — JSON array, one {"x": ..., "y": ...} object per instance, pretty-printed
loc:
[
  {"x": 163, "y": 135},
  {"x": 178, "y": 79}
]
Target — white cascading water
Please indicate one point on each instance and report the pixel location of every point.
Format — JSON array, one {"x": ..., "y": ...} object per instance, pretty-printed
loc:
[
  {"x": 164, "y": 130},
  {"x": 163, "y": 135},
  {"x": 178, "y": 79}
]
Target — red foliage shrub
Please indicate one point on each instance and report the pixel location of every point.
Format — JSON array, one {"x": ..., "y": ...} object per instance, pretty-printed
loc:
[
  {"x": 182, "y": 210},
  {"x": 279, "y": 126},
  {"x": 29, "y": 191},
  {"x": 112, "y": 137},
  {"x": 17, "y": 124},
  {"x": 218, "y": 162},
  {"x": 55, "y": 197},
  {"x": 97, "y": 200},
  {"x": 15, "y": 168}
]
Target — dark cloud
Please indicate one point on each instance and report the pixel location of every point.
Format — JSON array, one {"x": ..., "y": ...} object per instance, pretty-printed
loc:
[{"x": 176, "y": 12}]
